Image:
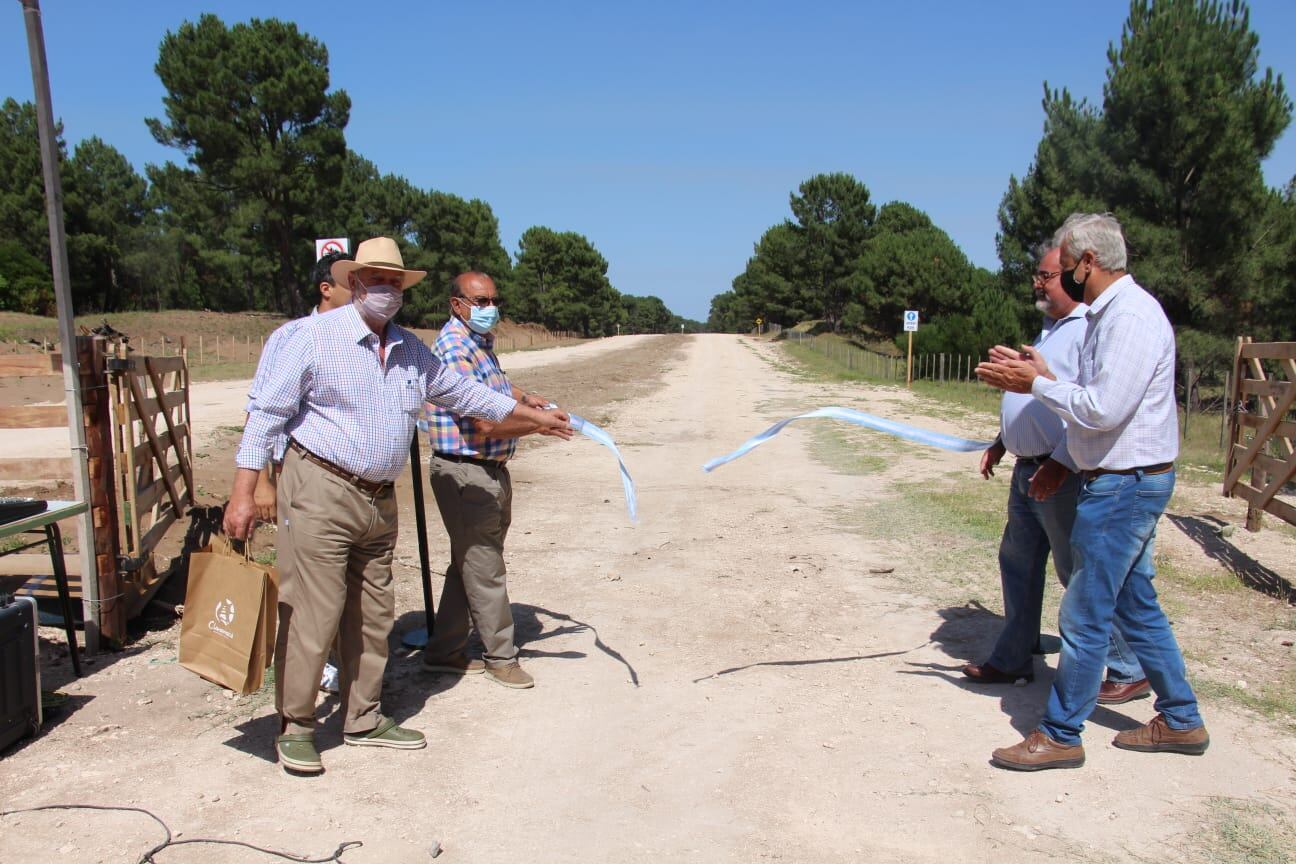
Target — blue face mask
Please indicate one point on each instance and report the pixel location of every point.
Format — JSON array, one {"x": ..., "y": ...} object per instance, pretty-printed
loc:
[{"x": 483, "y": 319}]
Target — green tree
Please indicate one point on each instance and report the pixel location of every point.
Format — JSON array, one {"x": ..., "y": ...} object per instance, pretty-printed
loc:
[
  {"x": 772, "y": 287},
  {"x": 250, "y": 106},
  {"x": 1065, "y": 178},
  {"x": 1175, "y": 153},
  {"x": 647, "y": 315},
  {"x": 454, "y": 236},
  {"x": 105, "y": 202},
  {"x": 560, "y": 280},
  {"x": 22, "y": 211},
  {"x": 834, "y": 217}
]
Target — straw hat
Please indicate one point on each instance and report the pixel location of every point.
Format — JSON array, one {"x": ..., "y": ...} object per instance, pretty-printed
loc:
[{"x": 378, "y": 253}]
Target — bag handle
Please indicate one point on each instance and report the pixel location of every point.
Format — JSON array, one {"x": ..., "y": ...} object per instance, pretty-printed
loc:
[{"x": 223, "y": 544}]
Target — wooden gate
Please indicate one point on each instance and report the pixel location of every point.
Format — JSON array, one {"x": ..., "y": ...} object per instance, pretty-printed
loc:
[
  {"x": 153, "y": 457},
  {"x": 1261, "y": 404},
  {"x": 138, "y": 438}
]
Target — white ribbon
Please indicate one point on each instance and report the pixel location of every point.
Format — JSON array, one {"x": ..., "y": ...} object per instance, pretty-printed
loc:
[
  {"x": 594, "y": 433},
  {"x": 859, "y": 418}
]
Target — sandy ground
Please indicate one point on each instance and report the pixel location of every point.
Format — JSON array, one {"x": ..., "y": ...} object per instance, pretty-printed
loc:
[{"x": 725, "y": 681}]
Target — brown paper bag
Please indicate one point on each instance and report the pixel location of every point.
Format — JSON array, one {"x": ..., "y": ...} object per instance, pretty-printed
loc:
[{"x": 228, "y": 632}]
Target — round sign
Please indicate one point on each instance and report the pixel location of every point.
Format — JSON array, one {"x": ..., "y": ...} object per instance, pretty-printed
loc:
[
  {"x": 911, "y": 315},
  {"x": 330, "y": 246}
]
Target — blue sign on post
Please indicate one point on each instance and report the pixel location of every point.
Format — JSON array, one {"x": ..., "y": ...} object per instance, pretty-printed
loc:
[{"x": 911, "y": 320}]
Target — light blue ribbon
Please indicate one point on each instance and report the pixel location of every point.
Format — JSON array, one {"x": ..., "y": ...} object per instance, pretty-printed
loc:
[
  {"x": 859, "y": 418},
  {"x": 594, "y": 433}
]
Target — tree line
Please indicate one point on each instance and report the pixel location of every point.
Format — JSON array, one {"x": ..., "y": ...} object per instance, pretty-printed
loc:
[
  {"x": 266, "y": 170},
  {"x": 1174, "y": 150}
]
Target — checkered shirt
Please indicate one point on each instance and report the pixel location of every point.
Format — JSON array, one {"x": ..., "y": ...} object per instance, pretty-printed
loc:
[
  {"x": 472, "y": 355},
  {"x": 265, "y": 364},
  {"x": 327, "y": 390},
  {"x": 1120, "y": 412}
]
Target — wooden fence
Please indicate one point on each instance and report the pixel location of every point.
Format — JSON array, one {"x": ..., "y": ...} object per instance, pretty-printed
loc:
[
  {"x": 1262, "y": 429},
  {"x": 152, "y": 449},
  {"x": 136, "y": 416}
]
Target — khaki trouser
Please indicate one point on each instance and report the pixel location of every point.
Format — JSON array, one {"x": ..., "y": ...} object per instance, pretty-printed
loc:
[
  {"x": 334, "y": 562},
  {"x": 476, "y": 504}
]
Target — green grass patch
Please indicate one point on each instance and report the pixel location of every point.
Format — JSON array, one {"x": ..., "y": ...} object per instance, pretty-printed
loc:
[
  {"x": 1274, "y": 699},
  {"x": 226, "y": 370},
  {"x": 1239, "y": 831}
]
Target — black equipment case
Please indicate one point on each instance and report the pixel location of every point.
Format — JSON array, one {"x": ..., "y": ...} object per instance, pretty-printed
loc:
[{"x": 20, "y": 694}]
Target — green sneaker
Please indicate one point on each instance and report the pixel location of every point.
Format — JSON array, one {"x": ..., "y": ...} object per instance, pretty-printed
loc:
[
  {"x": 297, "y": 753},
  {"x": 388, "y": 734}
]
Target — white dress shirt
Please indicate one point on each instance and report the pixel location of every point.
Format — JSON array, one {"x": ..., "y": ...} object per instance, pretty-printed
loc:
[
  {"x": 328, "y": 390},
  {"x": 1121, "y": 411},
  {"x": 1026, "y": 425}
]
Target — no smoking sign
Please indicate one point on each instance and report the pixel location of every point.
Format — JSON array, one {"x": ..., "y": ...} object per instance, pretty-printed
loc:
[{"x": 331, "y": 244}]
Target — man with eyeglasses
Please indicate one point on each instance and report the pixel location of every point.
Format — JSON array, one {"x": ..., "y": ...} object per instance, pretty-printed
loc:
[
  {"x": 347, "y": 388},
  {"x": 469, "y": 474},
  {"x": 1123, "y": 430},
  {"x": 1042, "y": 502}
]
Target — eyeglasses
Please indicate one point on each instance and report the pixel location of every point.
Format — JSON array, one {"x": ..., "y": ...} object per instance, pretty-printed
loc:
[
  {"x": 482, "y": 302},
  {"x": 1045, "y": 276}
]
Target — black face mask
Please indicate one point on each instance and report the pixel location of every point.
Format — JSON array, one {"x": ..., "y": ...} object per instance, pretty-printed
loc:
[{"x": 1075, "y": 290}]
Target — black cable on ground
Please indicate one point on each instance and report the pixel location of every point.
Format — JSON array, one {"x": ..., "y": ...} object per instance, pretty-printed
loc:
[{"x": 147, "y": 857}]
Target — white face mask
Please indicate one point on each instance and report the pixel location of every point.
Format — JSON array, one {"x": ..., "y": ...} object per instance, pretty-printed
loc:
[{"x": 378, "y": 303}]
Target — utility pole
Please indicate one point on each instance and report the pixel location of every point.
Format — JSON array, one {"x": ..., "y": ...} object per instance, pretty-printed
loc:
[{"x": 63, "y": 298}]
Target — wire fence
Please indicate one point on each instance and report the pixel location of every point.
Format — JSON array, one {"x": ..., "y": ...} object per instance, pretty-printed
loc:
[{"x": 1196, "y": 414}]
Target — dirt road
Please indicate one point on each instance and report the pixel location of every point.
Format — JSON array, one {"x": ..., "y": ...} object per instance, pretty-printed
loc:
[{"x": 724, "y": 682}]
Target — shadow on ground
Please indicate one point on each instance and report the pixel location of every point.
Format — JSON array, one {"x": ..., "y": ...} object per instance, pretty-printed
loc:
[
  {"x": 1205, "y": 532},
  {"x": 967, "y": 633}
]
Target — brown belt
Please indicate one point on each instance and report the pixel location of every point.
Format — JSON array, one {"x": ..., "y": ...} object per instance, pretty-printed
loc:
[
  {"x": 369, "y": 487},
  {"x": 1162, "y": 468}
]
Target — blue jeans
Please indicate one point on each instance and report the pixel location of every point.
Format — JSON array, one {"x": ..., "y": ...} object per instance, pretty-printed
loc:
[
  {"x": 1112, "y": 545},
  {"x": 1034, "y": 529}
]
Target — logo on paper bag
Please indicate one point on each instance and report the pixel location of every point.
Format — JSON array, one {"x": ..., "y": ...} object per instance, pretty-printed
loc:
[{"x": 225, "y": 617}]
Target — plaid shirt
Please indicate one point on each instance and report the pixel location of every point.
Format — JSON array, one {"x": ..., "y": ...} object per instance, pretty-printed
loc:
[
  {"x": 266, "y": 363},
  {"x": 327, "y": 390},
  {"x": 472, "y": 355}
]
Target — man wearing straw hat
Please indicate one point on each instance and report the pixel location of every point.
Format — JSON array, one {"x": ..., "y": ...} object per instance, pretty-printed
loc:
[{"x": 347, "y": 388}]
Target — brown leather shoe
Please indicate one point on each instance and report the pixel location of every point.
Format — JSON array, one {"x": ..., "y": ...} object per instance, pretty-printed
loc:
[
  {"x": 1037, "y": 753},
  {"x": 984, "y": 673},
  {"x": 1157, "y": 737},
  {"x": 1118, "y": 693},
  {"x": 510, "y": 675}
]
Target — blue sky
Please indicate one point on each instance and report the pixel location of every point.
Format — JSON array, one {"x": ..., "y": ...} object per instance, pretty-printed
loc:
[{"x": 670, "y": 134}]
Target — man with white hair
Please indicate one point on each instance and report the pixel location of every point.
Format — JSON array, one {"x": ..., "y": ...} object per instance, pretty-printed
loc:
[
  {"x": 1123, "y": 433},
  {"x": 1042, "y": 502}
]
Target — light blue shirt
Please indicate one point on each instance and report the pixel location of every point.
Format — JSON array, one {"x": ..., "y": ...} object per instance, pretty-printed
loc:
[
  {"x": 328, "y": 390},
  {"x": 1121, "y": 411},
  {"x": 266, "y": 362},
  {"x": 1027, "y": 426}
]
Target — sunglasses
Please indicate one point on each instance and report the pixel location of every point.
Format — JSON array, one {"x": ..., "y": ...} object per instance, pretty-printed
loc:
[
  {"x": 1044, "y": 275},
  {"x": 482, "y": 302}
]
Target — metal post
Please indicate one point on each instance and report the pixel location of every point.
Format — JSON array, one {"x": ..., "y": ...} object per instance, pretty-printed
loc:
[
  {"x": 63, "y": 299},
  {"x": 909, "y": 364},
  {"x": 419, "y": 638}
]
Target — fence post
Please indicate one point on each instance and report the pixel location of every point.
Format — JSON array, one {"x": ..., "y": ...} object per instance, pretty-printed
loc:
[
  {"x": 1224, "y": 414},
  {"x": 97, "y": 416}
]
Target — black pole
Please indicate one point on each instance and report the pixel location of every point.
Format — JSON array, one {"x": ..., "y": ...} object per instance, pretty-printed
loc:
[{"x": 420, "y": 526}]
